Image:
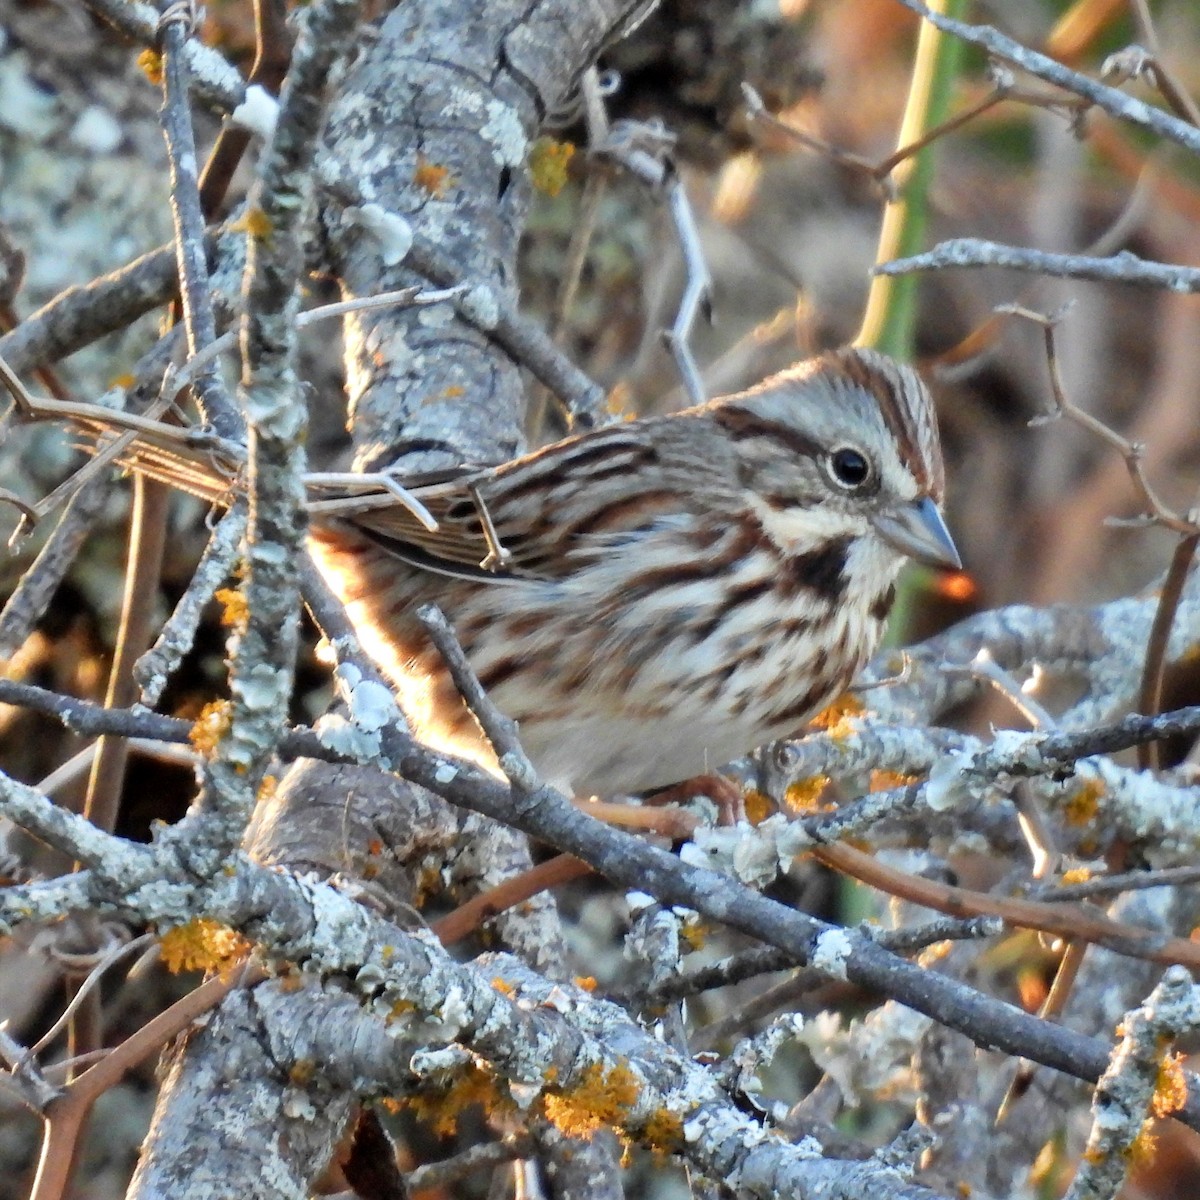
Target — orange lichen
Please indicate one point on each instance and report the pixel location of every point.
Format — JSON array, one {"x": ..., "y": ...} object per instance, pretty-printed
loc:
[
  {"x": 693, "y": 933},
  {"x": 1076, "y": 875},
  {"x": 202, "y": 945},
  {"x": 586, "y": 982},
  {"x": 302, "y": 1072},
  {"x": 549, "y": 164},
  {"x": 503, "y": 986},
  {"x": 664, "y": 1132},
  {"x": 256, "y": 223},
  {"x": 1141, "y": 1151},
  {"x": 401, "y": 1008},
  {"x": 431, "y": 178},
  {"x": 834, "y": 718},
  {"x": 804, "y": 796},
  {"x": 758, "y": 806},
  {"x": 234, "y": 610},
  {"x": 210, "y": 726},
  {"x": 1170, "y": 1089},
  {"x": 441, "y": 1107},
  {"x": 151, "y": 63},
  {"x": 886, "y": 781},
  {"x": 619, "y": 402},
  {"x": 601, "y": 1098},
  {"x": 1081, "y": 808}
]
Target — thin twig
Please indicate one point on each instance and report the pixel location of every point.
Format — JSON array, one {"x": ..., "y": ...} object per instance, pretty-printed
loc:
[
  {"x": 474, "y": 1161},
  {"x": 1069, "y": 921},
  {"x": 176, "y": 27},
  {"x": 154, "y": 668},
  {"x": 1112, "y": 101},
  {"x": 1124, "y": 267},
  {"x": 1108, "y": 885},
  {"x": 643, "y": 150},
  {"x": 1129, "y": 451}
]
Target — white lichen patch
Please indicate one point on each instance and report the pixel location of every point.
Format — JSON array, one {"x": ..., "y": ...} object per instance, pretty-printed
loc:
[
  {"x": 392, "y": 234},
  {"x": 831, "y": 953},
  {"x": 372, "y": 706},
  {"x": 480, "y": 306},
  {"x": 347, "y": 739},
  {"x": 946, "y": 781},
  {"x": 503, "y": 130}
]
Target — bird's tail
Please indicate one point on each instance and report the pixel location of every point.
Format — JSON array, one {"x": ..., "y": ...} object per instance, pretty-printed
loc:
[{"x": 191, "y": 461}]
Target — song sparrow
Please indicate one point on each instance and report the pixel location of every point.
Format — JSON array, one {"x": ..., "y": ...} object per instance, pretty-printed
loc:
[{"x": 674, "y": 591}]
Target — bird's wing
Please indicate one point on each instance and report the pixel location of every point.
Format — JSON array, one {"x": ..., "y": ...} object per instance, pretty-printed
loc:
[{"x": 539, "y": 516}]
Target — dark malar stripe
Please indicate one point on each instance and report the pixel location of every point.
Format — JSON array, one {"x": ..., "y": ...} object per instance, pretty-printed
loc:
[{"x": 821, "y": 571}]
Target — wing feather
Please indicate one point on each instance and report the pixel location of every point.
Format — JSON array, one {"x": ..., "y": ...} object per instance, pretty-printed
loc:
[{"x": 543, "y": 507}]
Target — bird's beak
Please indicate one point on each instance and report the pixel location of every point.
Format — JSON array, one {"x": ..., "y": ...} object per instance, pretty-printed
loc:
[{"x": 917, "y": 529}]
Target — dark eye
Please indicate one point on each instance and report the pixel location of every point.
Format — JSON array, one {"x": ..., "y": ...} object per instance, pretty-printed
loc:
[{"x": 849, "y": 467}]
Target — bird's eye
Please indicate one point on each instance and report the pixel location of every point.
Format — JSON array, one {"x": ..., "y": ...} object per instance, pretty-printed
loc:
[{"x": 849, "y": 467}]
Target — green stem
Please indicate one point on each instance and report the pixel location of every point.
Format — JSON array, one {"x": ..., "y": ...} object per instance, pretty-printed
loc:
[{"x": 891, "y": 304}]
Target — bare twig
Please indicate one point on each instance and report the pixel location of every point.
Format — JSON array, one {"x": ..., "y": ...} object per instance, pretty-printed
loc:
[
  {"x": 1112, "y": 101},
  {"x": 644, "y": 151},
  {"x": 1132, "y": 453},
  {"x": 1124, "y": 267},
  {"x": 765, "y": 960},
  {"x": 1070, "y": 921},
  {"x": 176, "y": 27},
  {"x": 475, "y": 1161},
  {"x": 153, "y": 669}
]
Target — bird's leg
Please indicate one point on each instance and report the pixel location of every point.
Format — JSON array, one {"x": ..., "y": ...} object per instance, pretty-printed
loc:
[{"x": 722, "y": 791}]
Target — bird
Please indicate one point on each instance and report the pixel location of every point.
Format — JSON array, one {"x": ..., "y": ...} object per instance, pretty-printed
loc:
[{"x": 647, "y": 600}]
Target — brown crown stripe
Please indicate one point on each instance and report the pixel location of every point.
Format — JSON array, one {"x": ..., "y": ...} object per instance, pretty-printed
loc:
[
  {"x": 902, "y": 418},
  {"x": 741, "y": 424}
]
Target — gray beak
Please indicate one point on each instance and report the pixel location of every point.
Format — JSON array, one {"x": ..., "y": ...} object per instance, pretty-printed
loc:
[{"x": 917, "y": 529}]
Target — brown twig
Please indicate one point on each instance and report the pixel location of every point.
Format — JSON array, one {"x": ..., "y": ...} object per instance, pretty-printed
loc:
[
  {"x": 273, "y": 52},
  {"x": 1150, "y": 691},
  {"x": 1069, "y": 921},
  {"x": 67, "y": 1114},
  {"x": 468, "y": 917}
]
